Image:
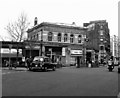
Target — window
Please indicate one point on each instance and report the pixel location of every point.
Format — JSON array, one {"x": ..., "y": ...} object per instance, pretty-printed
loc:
[
  {"x": 59, "y": 37},
  {"x": 65, "y": 37},
  {"x": 79, "y": 38},
  {"x": 71, "y": 38},
  {"x": 37, "y": 36},
  {"x": 101, "y": 39},
  {"x": 34, "y": 36},
  {"x": 101, "y": 32},
  {"x": 50, "y": 34},
  {"x": 101, "y": 47}
]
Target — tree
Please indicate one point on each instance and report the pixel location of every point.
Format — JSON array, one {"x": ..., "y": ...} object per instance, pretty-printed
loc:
[{"x": 17, "y": 29}]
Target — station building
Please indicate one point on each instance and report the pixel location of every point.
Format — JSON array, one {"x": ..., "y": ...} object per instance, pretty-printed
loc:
[
  {"x": 62, "y": 42},
  {"x": 67, "y": 44}
]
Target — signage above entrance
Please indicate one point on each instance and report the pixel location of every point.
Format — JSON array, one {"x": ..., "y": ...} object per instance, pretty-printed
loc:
[{"x": 77, "y": 52}]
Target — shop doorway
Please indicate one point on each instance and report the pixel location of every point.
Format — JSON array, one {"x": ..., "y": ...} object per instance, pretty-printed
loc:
[
  {"x": 89, "y": 57},
  {"x": 79, "y": 61},
  {"x": 54, "y": 53}
]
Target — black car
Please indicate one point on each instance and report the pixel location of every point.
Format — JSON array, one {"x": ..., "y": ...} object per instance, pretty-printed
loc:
[
  {"x": 42, "y": 63},
  {"x": 118, "y": 68}
]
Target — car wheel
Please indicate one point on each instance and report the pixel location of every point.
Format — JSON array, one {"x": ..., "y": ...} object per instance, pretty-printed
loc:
[
  {"x": 54, "y": 68},
  {"x": 45, "y": 68},
  {"x": 30, "y": 69}
]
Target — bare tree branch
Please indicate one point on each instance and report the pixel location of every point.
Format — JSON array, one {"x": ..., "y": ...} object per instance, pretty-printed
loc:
[
  {"x": 17, "y": 29},
  {"x": 2, "y": 38}
]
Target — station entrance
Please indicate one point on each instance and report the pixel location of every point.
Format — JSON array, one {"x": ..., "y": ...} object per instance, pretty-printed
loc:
[{"x": 54, "y": 53}]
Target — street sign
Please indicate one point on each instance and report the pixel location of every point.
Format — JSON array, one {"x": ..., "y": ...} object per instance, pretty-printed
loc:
[{"x": 76, "y": 52}]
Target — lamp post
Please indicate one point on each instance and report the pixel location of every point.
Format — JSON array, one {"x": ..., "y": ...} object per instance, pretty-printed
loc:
[
  {"x": 85, "y": 45},
  {"x": 41, "y": 42},
  {"x": 30, "y": 49},
  {"x": 50, "y": 53},
  {"x": 10, "y": 66}
]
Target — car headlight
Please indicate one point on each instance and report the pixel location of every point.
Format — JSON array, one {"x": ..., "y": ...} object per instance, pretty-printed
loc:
[{"x": 41, "y": 59}]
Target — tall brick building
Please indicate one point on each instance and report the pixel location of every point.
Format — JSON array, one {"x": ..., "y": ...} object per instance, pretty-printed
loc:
[
  {"x": 62, "y": 42},
  {"x": 99, "y": 38}
]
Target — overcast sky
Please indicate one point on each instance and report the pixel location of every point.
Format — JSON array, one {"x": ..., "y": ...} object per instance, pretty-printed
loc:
[{"x": 63, "y": 11}]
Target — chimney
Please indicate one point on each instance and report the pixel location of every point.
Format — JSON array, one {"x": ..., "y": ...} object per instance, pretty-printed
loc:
[
  {"x": 73, "y": 23},
  {"x": 35, "y": 21},
  {"x": 86, "y": 24}
]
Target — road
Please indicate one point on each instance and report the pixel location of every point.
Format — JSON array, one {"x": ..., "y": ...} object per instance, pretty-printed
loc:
[{"x": 66, "y": 81}]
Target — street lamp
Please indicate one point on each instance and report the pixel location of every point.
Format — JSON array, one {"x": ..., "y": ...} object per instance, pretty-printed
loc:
[
  {"x": 30, "y": 49},
  {"x": 85, "y": 45},
  {"x": 41, "y": 42},
  {"x": 50, "y": 53},
  {"x": 10, "y": 46}
]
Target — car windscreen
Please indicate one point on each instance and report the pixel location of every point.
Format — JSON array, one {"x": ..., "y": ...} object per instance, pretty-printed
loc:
[
  {"x": 36, "y": 59},
  {"x": 46, "y": 59}
]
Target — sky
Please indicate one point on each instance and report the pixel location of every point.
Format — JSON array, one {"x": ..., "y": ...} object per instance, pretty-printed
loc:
[{"x": 62, "y": 11}]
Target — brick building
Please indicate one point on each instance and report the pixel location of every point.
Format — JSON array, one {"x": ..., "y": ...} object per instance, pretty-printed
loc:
[
  {"x": 99, "y": 38},
  {"x": 62, "y": 42}
]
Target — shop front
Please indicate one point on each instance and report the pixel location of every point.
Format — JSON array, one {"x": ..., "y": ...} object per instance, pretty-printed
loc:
[
  {"x": 77, "y": 57},
  {"x": 72, "y": 56}
]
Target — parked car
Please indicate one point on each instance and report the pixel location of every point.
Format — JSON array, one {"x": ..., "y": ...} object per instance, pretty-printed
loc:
[
  {"x": 42, "y": 63},
  {"x": 118, "y": 68}
]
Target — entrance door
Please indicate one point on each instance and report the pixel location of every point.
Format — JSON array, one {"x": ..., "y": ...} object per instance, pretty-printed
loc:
[
  {"x": 88, "y": 57},
  {"x": 78, "y": 61}
]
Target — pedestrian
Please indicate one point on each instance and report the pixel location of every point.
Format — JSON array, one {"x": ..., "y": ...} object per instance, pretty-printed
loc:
[
  {"x": 6, "y": 63},
  {"x": 27, "y": 62}
]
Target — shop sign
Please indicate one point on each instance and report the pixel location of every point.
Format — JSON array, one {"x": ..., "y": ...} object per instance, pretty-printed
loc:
[
  {"x": 76, "y": 52},
  {"x": 37, "y": 47}
]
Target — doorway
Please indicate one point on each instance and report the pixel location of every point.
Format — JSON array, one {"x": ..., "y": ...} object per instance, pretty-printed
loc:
[{"x": 88, "y": 57}]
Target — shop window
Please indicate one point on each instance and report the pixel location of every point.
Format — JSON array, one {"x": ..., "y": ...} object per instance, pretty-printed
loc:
[
  {"x": 79, "y": 38},
  {"x": 59, "y": 37},
  {"x": 71, "y": 38},
  {"x": 65, "y": 37},
  {"x": 50, "y": 34}
]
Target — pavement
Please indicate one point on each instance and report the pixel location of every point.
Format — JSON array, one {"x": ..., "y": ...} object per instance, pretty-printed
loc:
[
  {"x": 18, "y": 68},
  {"x": 25, "y": 69}
]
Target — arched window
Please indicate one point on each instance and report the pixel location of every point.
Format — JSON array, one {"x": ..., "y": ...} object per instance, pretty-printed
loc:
[
  {"x": 37, "y": 36},
  {"x": 59, "y": 37},
  {"x": 79, "y": 38},
  {"x": 50, "y": 34},
  {"x": 71, "y": 38},
  {"x": 65, "y": 37},
  {"x": 34, "y": 37}
]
